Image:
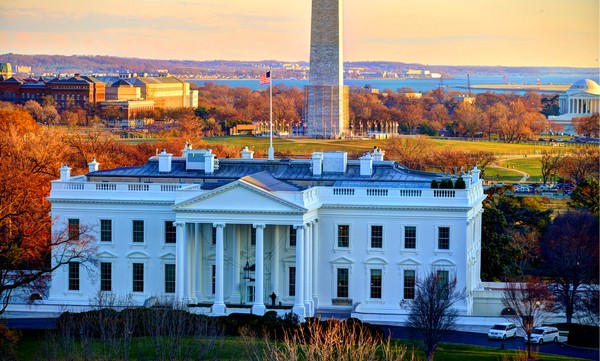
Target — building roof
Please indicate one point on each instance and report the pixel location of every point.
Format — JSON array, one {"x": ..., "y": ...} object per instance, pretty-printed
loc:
[
  {"x": 283, "y": 174},
  {"x": 586, "y": 85}
]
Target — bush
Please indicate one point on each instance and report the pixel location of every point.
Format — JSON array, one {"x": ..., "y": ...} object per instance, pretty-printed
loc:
[
  {"x": 581, "y": 335},
  {"x": 434, "y": 184},
  {"x": 446, "y": 184},
  {"x": 460, "y": 183},
  {"x": 8, "y": 341}
]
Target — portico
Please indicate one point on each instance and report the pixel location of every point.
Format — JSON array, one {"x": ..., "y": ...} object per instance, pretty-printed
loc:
[{"x": 217, "y": 237}]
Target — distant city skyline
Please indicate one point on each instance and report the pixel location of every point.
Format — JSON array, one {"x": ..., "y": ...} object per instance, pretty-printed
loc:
[{"x": 430, "y": 32}]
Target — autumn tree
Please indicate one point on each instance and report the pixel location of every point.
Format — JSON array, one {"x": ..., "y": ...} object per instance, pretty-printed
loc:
[
  {"x": 570, "y": 257},
  {"x": 411, "y": 152},
  {"x": 433, "y": 312},
  {"x": 30, "y": 158},
  {"x": 580, "y": 164},
  {"x": 588, "y": 126},
  {"x": 530, "y": 305},
  {"x": 468, "y": 118}
]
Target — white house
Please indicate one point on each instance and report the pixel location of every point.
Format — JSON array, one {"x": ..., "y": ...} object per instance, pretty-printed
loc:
[{"x": 324, "y": 234}]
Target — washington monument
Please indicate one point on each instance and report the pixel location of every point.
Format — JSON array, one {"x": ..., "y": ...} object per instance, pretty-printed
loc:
[{"x": 327, "y": 109}]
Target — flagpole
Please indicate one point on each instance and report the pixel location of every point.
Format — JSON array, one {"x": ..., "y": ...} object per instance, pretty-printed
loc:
[{"x": 271, "y": 149}]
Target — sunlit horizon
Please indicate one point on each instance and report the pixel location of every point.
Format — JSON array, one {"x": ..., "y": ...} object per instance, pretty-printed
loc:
[{"x": 541, "y": 33}]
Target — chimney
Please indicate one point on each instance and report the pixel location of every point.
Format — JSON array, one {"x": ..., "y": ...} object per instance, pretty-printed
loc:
[
  {"x": 378, "y": 154},
  {"x": 247, "y": 153},
  {"x": 209, "y": 162},
  {"x": 475, "y": 175},
  {"x": 65, "y": 173},
  {"x": 366, "y": 165},
  {"x": 317, "y": 163},
  {"x": 93, "y": 166},
  {"x": 164, "y": 161}
]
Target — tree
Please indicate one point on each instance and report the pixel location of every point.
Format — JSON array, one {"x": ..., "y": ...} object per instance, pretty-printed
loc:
[
  {"x": 586, "y": 196},
  {"x": 570, "y": 257},
  {"x": 581, "y": 164},
  {"x": 29, "y": 159},
  {"x": 529, "y": 304},
  {"x": 432, "y": 313},
  {"x": 550, "y": 164},
  {"x": 27, "y": 262},
  {"x": 589, "y": 126},
  {"x": 469, "y": 119}
]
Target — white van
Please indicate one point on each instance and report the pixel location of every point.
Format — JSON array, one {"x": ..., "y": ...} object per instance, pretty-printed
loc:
[{"x": 543, "y": 334}]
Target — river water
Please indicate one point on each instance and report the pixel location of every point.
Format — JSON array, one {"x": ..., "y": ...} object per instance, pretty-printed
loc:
[{"x": 420, "y": 85}]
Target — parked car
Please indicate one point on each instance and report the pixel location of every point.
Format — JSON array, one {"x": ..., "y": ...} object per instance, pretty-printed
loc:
[
  {"x": 523, "y": 189},
  {"x": 502, "y": 331},
  {"x": 543, "y": 334}
]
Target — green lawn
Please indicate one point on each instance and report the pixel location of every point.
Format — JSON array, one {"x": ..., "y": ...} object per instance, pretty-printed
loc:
[{"x": 32, "y": 345}]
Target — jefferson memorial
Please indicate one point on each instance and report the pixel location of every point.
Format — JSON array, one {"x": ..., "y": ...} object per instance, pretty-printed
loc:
[
  {"x": 324, "y": 234},
  {"x": 582, "y": 99}
]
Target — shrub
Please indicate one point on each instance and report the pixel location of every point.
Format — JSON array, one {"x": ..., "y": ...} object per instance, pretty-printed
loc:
[
  {"x": 582, "y": 335},
  {"x": 460, "y": 183},
  {"x": 446, "y": 184},
  {"x": 434, "y": 184}
]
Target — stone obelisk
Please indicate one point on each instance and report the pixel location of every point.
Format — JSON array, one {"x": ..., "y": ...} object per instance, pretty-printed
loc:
[{"x": 327, "y": 109}]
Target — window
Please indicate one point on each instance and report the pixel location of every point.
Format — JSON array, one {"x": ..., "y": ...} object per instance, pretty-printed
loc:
[
  {"x": 343, "y": 236},
  {"x": 105, "y": 276},
  {"x": 342, "y": 282},
  {"x": 376, "y": 236},
  {"x": 169, "y": 278},
  {"x": 73, "y": 276},
  {"x": 214, "y": 236},
  {"x": 443, "y": 278},
  {"x": 250, "y": 290},
  {"x": 409, "y": 284},
  {"x": 252, "y": 236},
  {"x": 138, "y": 277},
  {"x": 376, "y": 283},
  {"x": 443, "y": 237},
  {"x": 410, "y": 237},
  {"x": 293, "y": 237},
  {"x": 170, "y": 232},
  {"x": 292, "y": 281},
  {"x": 214, "y": 279},
  {"x": 73, "y": 229},
  {"x": 105, "y": 230},
  {"x": 138, "y": 231}
]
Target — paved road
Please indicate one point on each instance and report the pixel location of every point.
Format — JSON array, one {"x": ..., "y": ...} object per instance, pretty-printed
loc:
[{"x": 515, "y": 344}]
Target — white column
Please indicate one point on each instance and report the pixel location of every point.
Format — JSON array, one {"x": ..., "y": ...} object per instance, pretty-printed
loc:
[
  {"x": 218, "y": 307},
  {"x": 236, "y": 296},
  {"x": 199, "y": 263},
  {"x": 307, "y": 267},
  {"x": 275, "y": 266},
  {"x": 191, "y": 261},
  {"x": 315, "y": 264},
  {"x": 299, "y": 308},
  {"x": 180, "y": 263},
  {"x": 259, "y": 304}
]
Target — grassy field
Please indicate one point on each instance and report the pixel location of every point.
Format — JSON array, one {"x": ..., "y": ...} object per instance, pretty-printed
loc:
[
  {"x": 236, "y": 348},
  {"x": 308, "y": 145}
]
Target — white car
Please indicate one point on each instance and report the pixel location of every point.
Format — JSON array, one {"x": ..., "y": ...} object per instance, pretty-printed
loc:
[
  {"x": 543, "y": 334},
  {"x": 502, "y": 331}
]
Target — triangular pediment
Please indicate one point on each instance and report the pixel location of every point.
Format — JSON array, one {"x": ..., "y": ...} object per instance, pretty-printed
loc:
[{"x": 239, "y": 197}]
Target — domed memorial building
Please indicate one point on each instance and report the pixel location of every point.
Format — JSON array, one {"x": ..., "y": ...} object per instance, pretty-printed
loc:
[{"x": 582, "y": 99}]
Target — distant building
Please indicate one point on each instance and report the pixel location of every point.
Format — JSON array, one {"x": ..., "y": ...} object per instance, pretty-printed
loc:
[
  {"x": 166, "y": 91},
  {"x": 582, "y": 99},
  {"x": 23, "y": 69},
  {"x": 132, "y": 113},
  {"x": 77, "y": 90}
]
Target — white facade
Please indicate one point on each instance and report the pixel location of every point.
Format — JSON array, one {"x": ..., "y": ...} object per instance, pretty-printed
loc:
[
  {"x": 581, "y": 100},
  {"x": 324, "y": 234}
]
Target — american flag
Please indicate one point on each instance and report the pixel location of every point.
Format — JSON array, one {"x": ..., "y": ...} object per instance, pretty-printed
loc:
[{"x": 265, "y": 78}]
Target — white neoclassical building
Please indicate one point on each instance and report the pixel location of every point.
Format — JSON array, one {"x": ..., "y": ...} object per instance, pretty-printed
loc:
[
  {"x": 580, "y": 100},
  {"x": 317, "y": 235}
]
